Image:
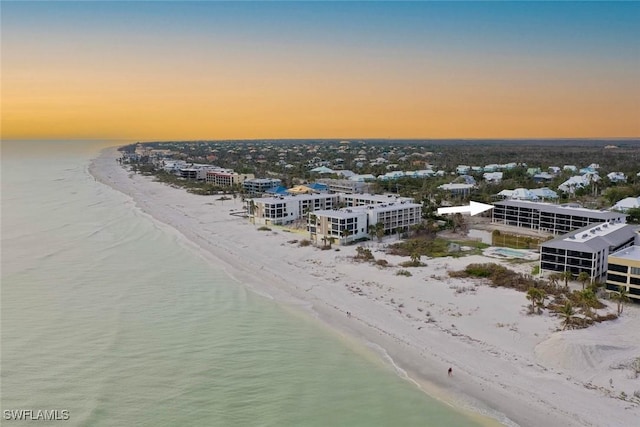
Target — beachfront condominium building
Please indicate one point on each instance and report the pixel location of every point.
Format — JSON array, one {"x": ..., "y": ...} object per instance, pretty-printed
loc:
[
  {"x": 548, "y": 217},
  {"x": 226, "y": 178},
  {"x": 349, "y": 224},
  {"x": 257, "y": 186},
  {"x": 624, "y": 270},
  {"x": 283, "y": 210},
  {"x": 287, "y": 209},
  {"x": 586, "y": 249},
  {"x": 352, "y": 200},
  {"x": 347, "y": 186}
]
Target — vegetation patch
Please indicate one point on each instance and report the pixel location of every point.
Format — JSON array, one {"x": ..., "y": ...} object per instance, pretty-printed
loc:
[
  {"x": 403, "y": 273},
  {"x": 515, "y": 241},
  {"x": 577, "y": 309},
  {"x": 264, "y": 228},
  {"x": 424, "y": 247},
  {"x": 304, "y": 242},
  {"x": 363, "y": 254},
  {"x": 382, "y": 263}
]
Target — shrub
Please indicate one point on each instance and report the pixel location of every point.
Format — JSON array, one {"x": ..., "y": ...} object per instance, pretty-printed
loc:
[
  {"x": 304, "y": 242},
  {"x": 403, "y": 273},
  {"x": 412, "y": 264},
  {"x": 382, "y": 263},
  {"x": 363, "y": 254},
  {"x": 264, "y": 228}
]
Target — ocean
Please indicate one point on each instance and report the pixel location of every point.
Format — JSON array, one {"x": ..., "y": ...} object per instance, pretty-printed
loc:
[{"x": 110, "y": 316}]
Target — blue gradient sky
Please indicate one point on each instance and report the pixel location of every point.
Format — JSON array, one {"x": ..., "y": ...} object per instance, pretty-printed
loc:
[{"x": 162, "y": 70}]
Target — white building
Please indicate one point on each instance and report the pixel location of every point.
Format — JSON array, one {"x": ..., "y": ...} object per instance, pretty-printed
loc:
[
  {"x": 457, "y": 189},
  {"x": 492, "y": 176},
  {"x": 351, "y": 200},
  {"x": 586, "y": 249},
  {"x": 626, "y": 204},
  {"x": 287, "y": 209},
  {"x": 617, "y": 177},
  {"x": 579, "y": 181},
  {"x": 349, "y": 224},
  {"x": 226, "y": 178},
  {"x": 257, "y": 186}
]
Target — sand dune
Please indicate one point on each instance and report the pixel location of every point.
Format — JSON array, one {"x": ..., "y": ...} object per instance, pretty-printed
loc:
[{"x": 516, "y": 368}]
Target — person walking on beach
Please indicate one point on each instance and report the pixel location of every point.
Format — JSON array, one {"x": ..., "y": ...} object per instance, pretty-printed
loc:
[{"x": 450, "y": 372}]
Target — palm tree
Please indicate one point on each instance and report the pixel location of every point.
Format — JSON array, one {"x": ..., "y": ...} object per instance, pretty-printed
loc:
[
  {"x": 566, "y": 276},
  {"x": 345, "y": 234},
  {"x": 567, "y": 314},
  {"x": 379, "y": 231},
  {"x": 537, "y": 297},
  {"x": 313, "y": 225},
  {"x": 554, "y": 278},
  {"x": 587, "y": 300},
  {"x": 372, "y": 231},
  {"x": 583, "y": 278},
  {"x": 620, "y": 297}
]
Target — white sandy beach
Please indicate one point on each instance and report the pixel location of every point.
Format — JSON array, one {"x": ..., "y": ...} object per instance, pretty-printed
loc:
[{"x": 514, "y": 367}]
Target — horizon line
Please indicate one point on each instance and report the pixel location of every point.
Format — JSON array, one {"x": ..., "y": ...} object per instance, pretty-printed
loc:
[{"x": 143, "y": 141}]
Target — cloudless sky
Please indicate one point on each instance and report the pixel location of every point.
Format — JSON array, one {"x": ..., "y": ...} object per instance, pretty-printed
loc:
[{"x": 218, "y": 70}]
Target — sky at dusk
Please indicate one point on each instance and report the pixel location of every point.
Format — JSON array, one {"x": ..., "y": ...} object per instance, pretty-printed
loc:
[{"x": 224, "y": 70}]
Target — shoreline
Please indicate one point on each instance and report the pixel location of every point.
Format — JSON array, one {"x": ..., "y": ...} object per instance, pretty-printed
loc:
[{"x": 497, "y": 372}]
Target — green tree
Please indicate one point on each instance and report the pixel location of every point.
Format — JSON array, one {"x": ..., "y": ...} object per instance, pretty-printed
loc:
[
  {"x": 537, "y": 297},
  {"x": 634, "y": 216},
  {"x": 345, "y": 235},
  {"x": 566, "y": 276},
  {"x": 567, "y": 314},
  {"x": 379, "y": 231},
  {"x": 587, "y": 300},
  {"x": 620, "y": 297},
  {"x": 583, "y": 278}
]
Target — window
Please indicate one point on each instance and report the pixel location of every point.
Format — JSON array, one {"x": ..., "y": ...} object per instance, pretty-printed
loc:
[
  {"x": 618, "y": 268},
  {"x": 635, "y": 270},
  {"x": 616, "y": 278}
]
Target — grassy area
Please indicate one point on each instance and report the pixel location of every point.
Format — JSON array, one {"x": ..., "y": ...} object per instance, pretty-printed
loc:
[
  {"x": 434, "y": 248},
  {"x": 514, "y": 241}
]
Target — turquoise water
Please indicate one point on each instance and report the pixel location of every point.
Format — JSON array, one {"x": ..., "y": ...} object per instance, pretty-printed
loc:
[
  {"x": 110, "y": 316},
  {"x": 510, "y": 252}
]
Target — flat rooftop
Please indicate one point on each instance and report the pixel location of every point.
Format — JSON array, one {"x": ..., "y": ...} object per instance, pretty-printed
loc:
[
  {"x": 594, "y": 231},
  {"x": 562, "y": 209},
  {"x": 631, "y": 253}
]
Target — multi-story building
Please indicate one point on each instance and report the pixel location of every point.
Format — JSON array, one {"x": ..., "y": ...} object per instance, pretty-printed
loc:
[
  {"x": 624, "y": 270},
  {"x": 586, "y": 249},
  {"x": 555, "y": 219},
  {"x": 345, "y": 185},
  {"x": 257, "y": 186},
  {"x": 348, "y": 224},
  {"x": 351, "y": 200},
  {"x": 226, "y": 177},
  {"x": 287, "y": 209},
  {"x": 342, "y": 225},
  {"x": 196, "y": 171}
]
